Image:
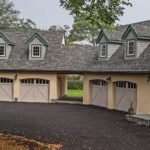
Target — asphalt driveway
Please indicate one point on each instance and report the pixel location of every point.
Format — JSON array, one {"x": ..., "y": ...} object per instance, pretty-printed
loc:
[{"x": 76, "y": 127}]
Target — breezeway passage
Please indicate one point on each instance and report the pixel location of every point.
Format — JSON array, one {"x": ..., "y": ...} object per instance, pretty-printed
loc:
[{"x": 74, "y": 126}]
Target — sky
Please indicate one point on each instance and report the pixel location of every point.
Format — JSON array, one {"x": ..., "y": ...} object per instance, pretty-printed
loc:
[{"x": 48, "y": 12}]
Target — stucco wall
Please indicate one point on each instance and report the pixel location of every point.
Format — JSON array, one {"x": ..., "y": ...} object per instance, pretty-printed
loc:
[
  {"x": 62, "y": 85},
  {"x": 47, "y": 76},
  {"x": 143, "y": 90}
]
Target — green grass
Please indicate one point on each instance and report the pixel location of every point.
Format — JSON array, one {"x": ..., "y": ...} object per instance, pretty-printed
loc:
[{"x": 75, "y": 93}]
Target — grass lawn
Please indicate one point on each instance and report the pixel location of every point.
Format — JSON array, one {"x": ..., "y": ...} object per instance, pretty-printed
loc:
[{"x": 75, "y": 93}]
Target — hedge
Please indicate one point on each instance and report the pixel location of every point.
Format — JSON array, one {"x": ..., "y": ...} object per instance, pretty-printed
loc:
[{"x": 75, "y": 85}]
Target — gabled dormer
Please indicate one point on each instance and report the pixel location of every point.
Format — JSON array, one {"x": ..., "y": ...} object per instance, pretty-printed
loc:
[
  {"x": 5, "y": 47},
  {"x": 135, "y": 41},
  {"x": 109, "y": 42},
  {"x": 37, "y": 47}
]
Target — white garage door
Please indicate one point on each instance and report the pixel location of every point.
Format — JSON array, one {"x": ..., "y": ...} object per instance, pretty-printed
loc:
[
  {"x": 34, "y": 90},
  {"x": 125, "y": 94},
  {"x": 99, "y": 93},
  {"x": 6, "y": 89}
]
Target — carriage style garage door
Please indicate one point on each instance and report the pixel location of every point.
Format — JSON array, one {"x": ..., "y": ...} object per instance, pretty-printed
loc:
[
  {"x": 6, "y": 89},
  {"x": 125, "y": 93},
  {"x": 99, "y": 93},
  {"x": 34, "y": 90}
]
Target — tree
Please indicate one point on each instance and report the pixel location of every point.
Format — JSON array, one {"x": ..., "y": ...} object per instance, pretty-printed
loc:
[
  {"x": 98, "y": 11},
  {"x": 56, "y": 28},
  {"x": 92, "y": 15},
  {"x": 83, "y": 29},
  {"x": 10, "y": 20}
]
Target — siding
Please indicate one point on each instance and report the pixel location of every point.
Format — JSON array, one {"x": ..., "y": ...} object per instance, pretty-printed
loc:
[
  {"x": 8, "y": 49},
  {"x": 103, "y": 39},
  {"x": 43, "y": 49},
  {"x": 131, "y": 35}
]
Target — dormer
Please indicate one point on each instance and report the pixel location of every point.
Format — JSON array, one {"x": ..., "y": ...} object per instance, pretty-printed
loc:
[
  {"x": 109, "y": 42},
  {"x": 37, "y": 47},
  {"x": 136, "y": 39},
  {"x": 5, "y": 47}
]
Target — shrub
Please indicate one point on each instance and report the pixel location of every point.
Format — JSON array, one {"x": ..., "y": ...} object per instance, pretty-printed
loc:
[{"x": 75, "y": 85}]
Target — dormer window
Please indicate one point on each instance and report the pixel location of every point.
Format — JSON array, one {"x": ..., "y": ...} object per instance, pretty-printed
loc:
[
  {"x": 2, "y": 49},
  {"x": 36, "y": 51},
  {"x": 103, "y": 52},
  {"x": 131, "y": 48}
]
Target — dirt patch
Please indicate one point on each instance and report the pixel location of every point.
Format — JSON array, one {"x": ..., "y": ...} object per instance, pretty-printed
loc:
[{"x": 10, "y": 142}]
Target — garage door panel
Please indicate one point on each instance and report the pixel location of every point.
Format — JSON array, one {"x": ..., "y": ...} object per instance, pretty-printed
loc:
[
  {"x": 41, "y": 93},
  {"x": 34, "y": 90},
  {"x": 125, "y": 93},
  {"x": 99, "y": 93},
  {"x": 96, "y": 95},
  {"x": 27, "y": 93},
  {"x": 6, "y": 89}
]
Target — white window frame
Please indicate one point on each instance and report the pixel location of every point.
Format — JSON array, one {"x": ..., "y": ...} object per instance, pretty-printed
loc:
[
  {"x": 101, "y": 48},
  {"x": 4, "y": 50},
  {"x": 32, "y": 49},
  {"x": 133, "y": 41}
]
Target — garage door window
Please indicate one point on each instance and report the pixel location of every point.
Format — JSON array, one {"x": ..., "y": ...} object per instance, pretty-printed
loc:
[
  {"x": 27, "y": 81},
  {"x": 5, "y": 80},
  {"x": 129, "y": 85},
  {"x": 36, "y": 81},
  {"x": 99, "y": 82},
  {"x": 40, "y": 81}
]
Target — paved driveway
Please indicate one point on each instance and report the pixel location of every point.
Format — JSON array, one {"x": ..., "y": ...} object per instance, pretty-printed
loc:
[{"x": 76, "y": 127}]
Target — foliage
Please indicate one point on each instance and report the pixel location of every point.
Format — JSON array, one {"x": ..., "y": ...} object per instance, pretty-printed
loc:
[
  {"x": 10, "y": 20},
  {"x": 99, "y": 11},
  {"x": 84, "y": 30},
  {"x": 131, "y": 107},
  {"x": 10, "y": 142},
  {"x": 75, "y": 85},
  {"x": 92, "y": 15},
  {"x": 56, "y": 28}
]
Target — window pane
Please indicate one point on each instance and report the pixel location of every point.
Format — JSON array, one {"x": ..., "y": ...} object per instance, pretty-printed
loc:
[
  {"x": 36, "y": 51},
  {"x": 131, "y": 47},
  {"x": 2, "y": 50},
  {"x": 103, "y": 50}
]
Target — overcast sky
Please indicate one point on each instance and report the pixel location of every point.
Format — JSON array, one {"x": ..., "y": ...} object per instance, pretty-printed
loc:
[{"x": 48, "y": 12}]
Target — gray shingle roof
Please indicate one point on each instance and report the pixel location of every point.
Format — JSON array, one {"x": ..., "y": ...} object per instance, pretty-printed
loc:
[
  {"x": 141, "y": 28},
  {"x": 60, "y": 58},
  {"x": 142, "y": 31}
]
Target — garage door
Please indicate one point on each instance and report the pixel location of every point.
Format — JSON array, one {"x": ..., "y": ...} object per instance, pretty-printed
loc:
[
  {"x": 6, "y": 89},
  {"x": 99, "y": 93},
  {"x": 34, "y": 90},
  {"x": 125, "y": 93}
]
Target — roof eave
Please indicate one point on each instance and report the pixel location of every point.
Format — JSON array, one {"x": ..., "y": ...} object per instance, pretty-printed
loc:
[{"x": 39, "y": 37}]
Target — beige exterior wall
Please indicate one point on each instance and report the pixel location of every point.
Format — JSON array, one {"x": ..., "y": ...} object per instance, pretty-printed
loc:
[
  {"x": 143, "y": 90},
  {"x": 62, "y": 85},
  {"x": 18, "y": 76}
]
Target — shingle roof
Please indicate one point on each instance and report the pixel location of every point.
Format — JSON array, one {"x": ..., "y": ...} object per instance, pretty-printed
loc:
[
  {"x": 142, "y": 31},
  {"x": 113, "y": 35},
  {"x": 141, "y": 28},
  {"x": 60, "y": 58}
]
